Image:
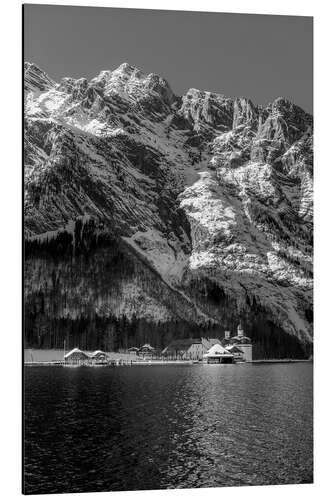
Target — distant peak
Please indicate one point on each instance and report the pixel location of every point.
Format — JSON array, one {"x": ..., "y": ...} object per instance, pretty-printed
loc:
[
  {"x": 36, "y": 78},
  {"x": 282, "y": 105},
  {"x": 32, "y": 67},
  {"x": 28, "y": 64},
  {"x": 193, "y": 91},
  {"x": 128, "y": 69},
  {"x": 204, "y": 94}
]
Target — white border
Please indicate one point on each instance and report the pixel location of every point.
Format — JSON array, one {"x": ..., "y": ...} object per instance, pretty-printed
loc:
[{"x": 10, "y": 257}]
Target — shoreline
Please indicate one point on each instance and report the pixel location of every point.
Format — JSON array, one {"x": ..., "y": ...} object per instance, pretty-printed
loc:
[
  {"x": 113, "y": 364},
  {"x": 283, "y": 360},
  {"x": 157, "y": 362}
]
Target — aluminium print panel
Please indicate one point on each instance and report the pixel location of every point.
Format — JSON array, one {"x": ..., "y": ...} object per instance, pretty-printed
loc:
[{"x": 168, "y": 230}]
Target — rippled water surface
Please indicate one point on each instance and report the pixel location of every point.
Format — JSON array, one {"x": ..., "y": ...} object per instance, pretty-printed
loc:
[{"x": 152, "y": 427}]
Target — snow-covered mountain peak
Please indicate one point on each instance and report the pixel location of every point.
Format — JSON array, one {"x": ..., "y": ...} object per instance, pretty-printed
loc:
[
  {"x": 127, "y": 68},
  {"x": 35, "y": 79},
  {"x": 130, "y": 82}
]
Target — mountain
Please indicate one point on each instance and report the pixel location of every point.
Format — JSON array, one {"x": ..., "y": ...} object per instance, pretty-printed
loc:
[{"x": 150, "y": 216}]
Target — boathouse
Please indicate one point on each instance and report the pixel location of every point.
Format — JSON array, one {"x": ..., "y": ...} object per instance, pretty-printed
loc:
[
  {"x": 236, "y": 351},
  {"x": 76, "y": 357},
  {"x": 99, "y": 357},
  {"x": 218, "y": 354},
  {"x": 133, "y": 350},
  {"x": 147, "y": 351}
]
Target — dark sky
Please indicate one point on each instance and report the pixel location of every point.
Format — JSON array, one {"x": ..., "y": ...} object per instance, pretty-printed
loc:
[{"x": 256, "y": 56}]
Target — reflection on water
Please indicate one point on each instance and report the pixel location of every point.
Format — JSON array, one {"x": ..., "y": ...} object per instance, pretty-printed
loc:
[{"x": 152, "y": 427}]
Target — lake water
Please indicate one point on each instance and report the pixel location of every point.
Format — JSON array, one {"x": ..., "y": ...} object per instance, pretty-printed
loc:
[{"x": 152, "y": 427}]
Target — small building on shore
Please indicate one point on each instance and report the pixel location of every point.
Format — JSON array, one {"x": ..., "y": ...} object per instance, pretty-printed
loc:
[
  {"x": 133, "y": 350},
  {"x": 99, "y": 357},
  {"x": 218, "y": 354},
  {"x": 76, "y": 357},
  {"x": 147, "y": 351},
  {"x": 237, "y": 352}
]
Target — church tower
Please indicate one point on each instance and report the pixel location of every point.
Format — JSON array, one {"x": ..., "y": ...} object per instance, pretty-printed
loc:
[{"x": 240, "y": 331}]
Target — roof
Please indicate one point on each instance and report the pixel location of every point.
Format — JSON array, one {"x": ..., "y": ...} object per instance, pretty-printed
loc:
[
  {"x": 214, "y": 341},
  {"x": 245, "y": 340},
  {"x": 241, "y": 339},
  {"x": 96, "y": 353},
  {"x": 147, "y": 347},
  {"x": 217, "y": 350},
  {"x": 234, "y": 349},
  {"x": 75, "y": 350},
  {"x": 210, "y": 342},
  {"x": 133, "y": 349},
  {"x": 181, "y": 345}
]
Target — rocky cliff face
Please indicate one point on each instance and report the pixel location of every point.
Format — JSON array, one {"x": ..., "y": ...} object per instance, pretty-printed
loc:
[{"x": 149, "y": 216}]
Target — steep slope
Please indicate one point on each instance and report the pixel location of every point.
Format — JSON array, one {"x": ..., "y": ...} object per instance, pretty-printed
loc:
[
  {"x": 251, "y": 218},
  {"x": 179, "y": 214}
]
